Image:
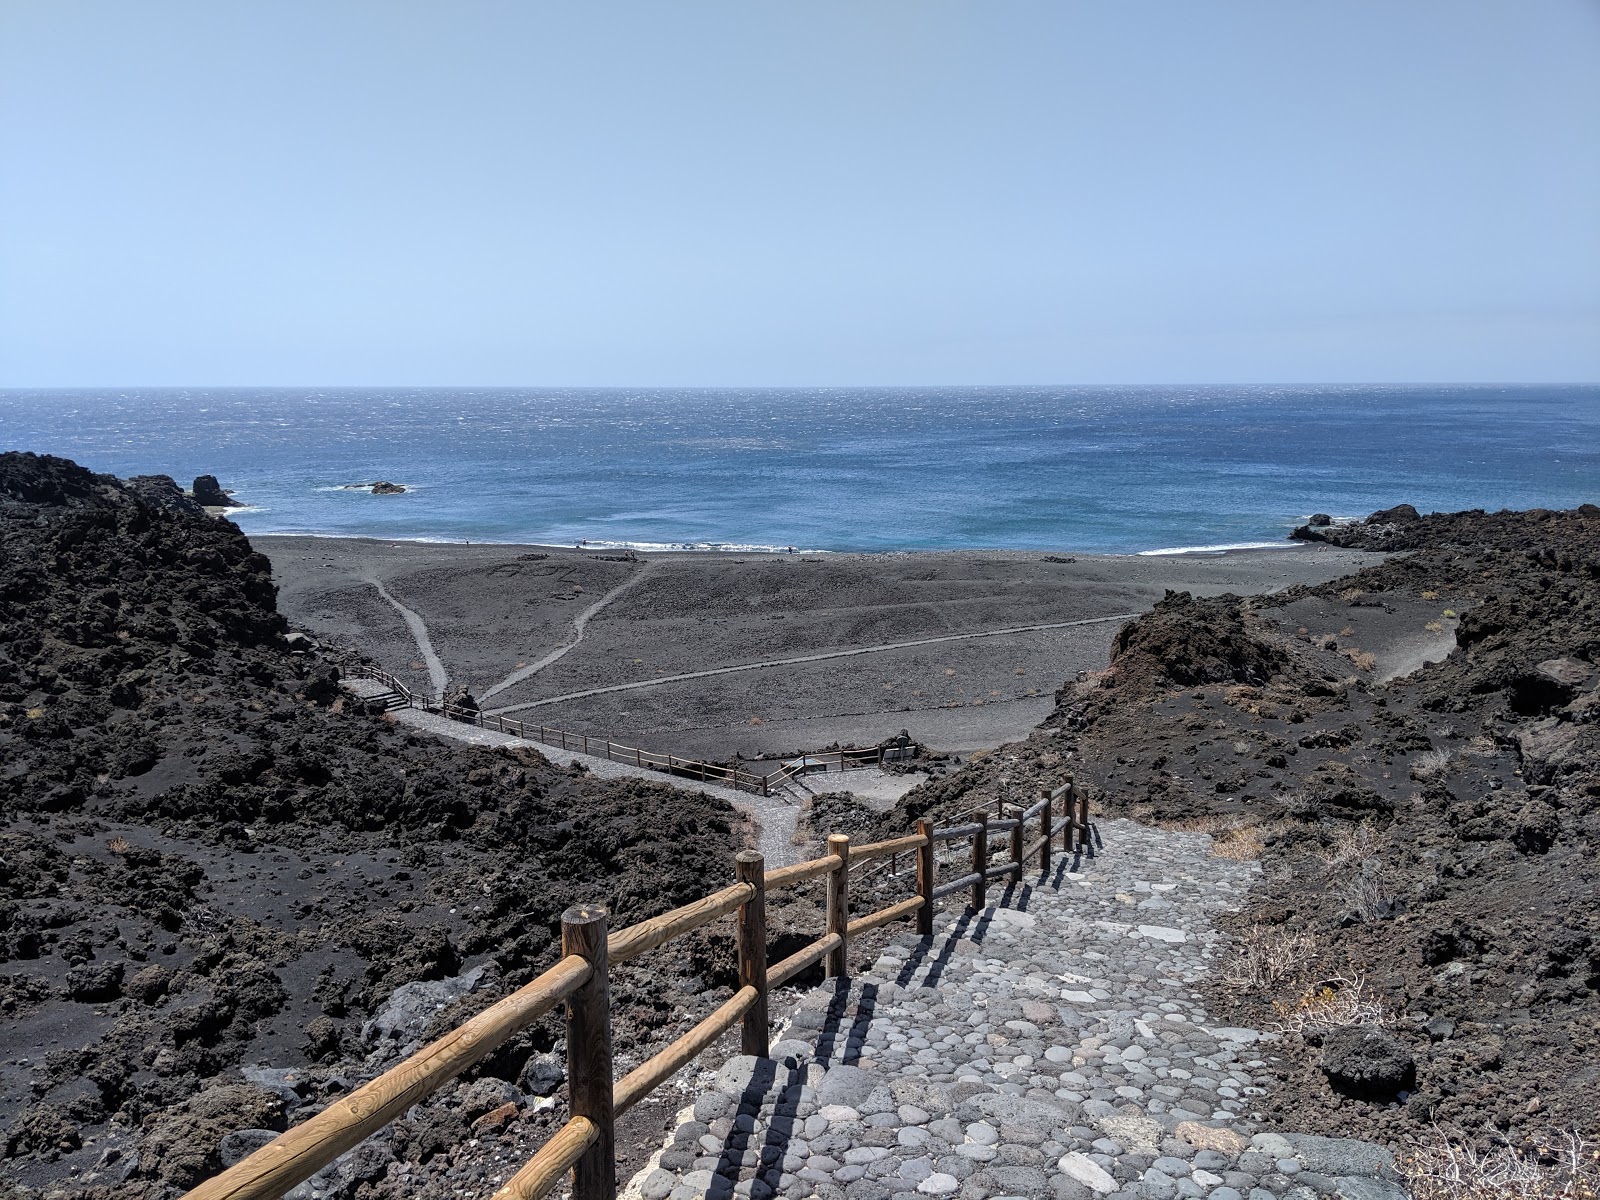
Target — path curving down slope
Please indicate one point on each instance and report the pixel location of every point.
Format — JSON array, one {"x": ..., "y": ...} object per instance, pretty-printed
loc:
[
  {"x": 802, "y": 658},
  {"x": 1052, "y": 1046},
  {"x": 437, "y": 678},
  {"x": 578, "y": 624}
]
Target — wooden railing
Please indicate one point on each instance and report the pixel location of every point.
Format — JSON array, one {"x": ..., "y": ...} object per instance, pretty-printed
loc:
[
  {"x": 673, "y": 764},
  {"x": 584, "y": 1145}
]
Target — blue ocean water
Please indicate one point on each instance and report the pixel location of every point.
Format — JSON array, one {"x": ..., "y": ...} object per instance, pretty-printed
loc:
[{"x": 1083, "y": 468}]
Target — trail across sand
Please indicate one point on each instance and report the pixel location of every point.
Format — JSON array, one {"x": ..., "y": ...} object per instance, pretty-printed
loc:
[
  {"x": 419, "y": 630},
  {"x": 578, "y": 623},
  {"x": 804, "y": 658}
]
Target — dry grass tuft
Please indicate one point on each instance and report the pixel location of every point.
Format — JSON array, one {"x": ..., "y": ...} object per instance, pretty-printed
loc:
[
  {"x": 1568, "y": 1168},
  {"x": 1364, "y": 660},
  {"x": 1231, "y": 837},
  {"x": 119, "y": 845}
]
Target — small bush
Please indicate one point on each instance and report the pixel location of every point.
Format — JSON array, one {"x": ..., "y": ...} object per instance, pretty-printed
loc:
[
  {"x": 1566, "y": 1169},
  {"x": 1266, "y": 957},
  {"x": 1340, "y": 1000},
  {"x": 1430, "y": 765}
]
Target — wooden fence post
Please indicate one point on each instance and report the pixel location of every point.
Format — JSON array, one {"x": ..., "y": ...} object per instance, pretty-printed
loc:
[
  {"x": 1067, "y": 811},
  {"x": 838, "y": 964},
  {"x": 750, "y": 867},
  {"x": 583, "y": 932},
  {"x": 1085, "y": 837},
  {"x": 925, "y": 878},
  {"x": 1017, "y": 844},
  {"x": 1045, "y": 817},
  {"x": 980, "y": 861}
]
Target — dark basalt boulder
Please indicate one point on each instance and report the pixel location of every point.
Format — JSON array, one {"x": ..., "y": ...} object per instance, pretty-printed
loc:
[
  {"x": 1367, "y": 1062},
  {"x": 163, "y": 492},
  {"x": 208, "y": 493},
  {"x": 1320, "y": 520},
  {"x": 384, "y": 488}
]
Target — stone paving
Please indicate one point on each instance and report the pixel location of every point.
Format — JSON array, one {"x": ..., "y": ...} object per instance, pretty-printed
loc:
[{"x": 1049, "y": 1046}]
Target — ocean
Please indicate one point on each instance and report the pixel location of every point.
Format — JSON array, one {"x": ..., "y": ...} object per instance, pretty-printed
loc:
[{"x": 1107, "y": 469}]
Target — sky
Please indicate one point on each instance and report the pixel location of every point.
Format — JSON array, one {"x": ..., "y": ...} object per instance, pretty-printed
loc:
[{"x": 698, "y": 193}]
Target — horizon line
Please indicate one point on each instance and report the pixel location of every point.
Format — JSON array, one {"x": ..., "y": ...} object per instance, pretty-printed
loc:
[{"x": 710, "y": 387}]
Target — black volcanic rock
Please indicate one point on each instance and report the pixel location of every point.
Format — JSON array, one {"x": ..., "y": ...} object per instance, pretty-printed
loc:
[
  {"x": 204, "y": 838},
  {"x": 1367, "y": 1062},
  {"x": 384, "y": 488},
  {"x": 208, "y": 493}
]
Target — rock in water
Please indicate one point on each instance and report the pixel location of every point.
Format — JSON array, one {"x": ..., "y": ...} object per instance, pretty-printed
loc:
[
  {"x": 1319, "y": 520},
  {"x": 1367, "y": 1062},
  {"x": 384, "y": 488},
  {"x": 208, "y": 493}
]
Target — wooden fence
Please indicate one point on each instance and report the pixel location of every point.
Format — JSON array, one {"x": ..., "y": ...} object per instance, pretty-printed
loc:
[
  {"x": 584, "y": 1145},
  {"x": 673, "y": 764}
]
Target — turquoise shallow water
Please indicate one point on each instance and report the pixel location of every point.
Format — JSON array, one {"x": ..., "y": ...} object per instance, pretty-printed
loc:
[{"x": 1085, "y": 468}]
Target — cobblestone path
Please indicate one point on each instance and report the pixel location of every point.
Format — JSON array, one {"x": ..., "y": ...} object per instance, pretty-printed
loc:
[{"x": 1050, "y": 1046}]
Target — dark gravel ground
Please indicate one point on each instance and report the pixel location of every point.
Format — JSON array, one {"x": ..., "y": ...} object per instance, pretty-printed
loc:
[{"x": 1434, "y": 835}]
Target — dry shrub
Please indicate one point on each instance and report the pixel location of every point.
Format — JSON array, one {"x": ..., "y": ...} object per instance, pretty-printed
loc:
[
  {"x": 1265, "y": 957},
  {"x": 1430, "y": 764},
  {"x": 1369, "y": 897},
  {"x": 1334, "y": 1002},
  {"x": 1351, "y": 845},
  {"x": 1364, "y": 660},
  {"x": 1430, "y": 594},
  {"x": 1434, "y": 626},
  {"x": 1325, "y": 641},
  {"x": 1566, "y": 1168},
  {"x": 1351, "y": 595}
]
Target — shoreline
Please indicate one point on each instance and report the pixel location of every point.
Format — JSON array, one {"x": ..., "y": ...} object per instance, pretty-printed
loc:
[{"x": 715, "y": 550}]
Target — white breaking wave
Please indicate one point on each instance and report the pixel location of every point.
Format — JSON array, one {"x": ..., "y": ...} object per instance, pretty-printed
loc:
[{"x": 1220, "y": 548}]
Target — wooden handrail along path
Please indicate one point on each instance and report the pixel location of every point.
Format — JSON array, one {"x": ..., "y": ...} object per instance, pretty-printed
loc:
[
  {"x": 580, "y": 979},
  {"x": 673, "y": 764}
]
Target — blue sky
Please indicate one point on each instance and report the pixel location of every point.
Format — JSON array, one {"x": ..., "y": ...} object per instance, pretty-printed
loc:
[{"x": 879, "y": 192}]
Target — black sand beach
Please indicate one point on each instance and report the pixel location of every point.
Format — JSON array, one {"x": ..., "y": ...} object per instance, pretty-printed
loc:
[{"x": 492, "y": 612}]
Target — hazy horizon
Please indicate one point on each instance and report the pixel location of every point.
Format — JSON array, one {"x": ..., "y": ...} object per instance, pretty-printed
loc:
[{"x": 917, "y": 193}]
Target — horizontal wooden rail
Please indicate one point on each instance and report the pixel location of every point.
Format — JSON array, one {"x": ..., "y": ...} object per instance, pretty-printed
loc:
[
  {"x": 785, "y": 877},
  {"x": 780, "y": 973},
  {"x": 1037, "y": 807},
  {"x": 955, "y": 885},
  {"x": 1000, "y": 869},
  {"x": 639, "y": 939},
  {"x": 541, "y": 1173},
  {"x": 655, "y": 1070},
  {"x": 883, "y": 916},
  {"x": 951, "y": 832},
  {"x": 878, "y": 849},
  {"x": 1035, "y": 846},
  {"x": 295, "y": 1156},
  {"x": 1001, "y": 825}
]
